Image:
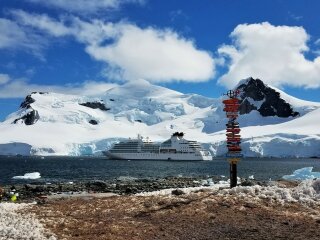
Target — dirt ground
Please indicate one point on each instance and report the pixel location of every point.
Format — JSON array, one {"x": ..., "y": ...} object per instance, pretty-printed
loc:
[{"x": 202, "y": 215}]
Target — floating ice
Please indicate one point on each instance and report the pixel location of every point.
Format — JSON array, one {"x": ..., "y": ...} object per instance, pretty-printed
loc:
[
  {"x": 34, "y": 175},
  {"x": 251, "y": 177},
  {"x": 126, "y": 178},
  {"x": 302, "y": 174}
]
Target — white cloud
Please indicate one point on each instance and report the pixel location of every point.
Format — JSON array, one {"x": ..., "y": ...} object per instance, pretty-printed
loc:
[
  {"x": 273, "y": 53},
  {"x": 14, "y": 36},
  {"x": 155, "y": 55},
  {"x": 131, "y": 52},
  {"x": 85, "y": 6},
  {"x": 19, "y": 88},
  {"x": 42, "y": 22},
  {"x": 4, "y": 78}
]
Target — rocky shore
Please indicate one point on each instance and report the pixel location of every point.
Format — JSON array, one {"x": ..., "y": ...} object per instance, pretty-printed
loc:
[{"x": 121, "y": 186}]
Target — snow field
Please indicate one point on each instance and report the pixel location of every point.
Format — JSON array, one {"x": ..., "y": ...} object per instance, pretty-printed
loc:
[
  {"x": 306, "y": 193},
  {"x": 155, "y": 112},
  {"x": 18, "y": 225}
]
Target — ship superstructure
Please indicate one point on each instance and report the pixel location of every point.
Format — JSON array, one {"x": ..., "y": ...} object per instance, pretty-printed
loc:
[{"x": 175, "y": 148}]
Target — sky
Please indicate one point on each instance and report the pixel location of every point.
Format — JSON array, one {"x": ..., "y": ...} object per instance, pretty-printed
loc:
[{"x": 206, "y": 47}]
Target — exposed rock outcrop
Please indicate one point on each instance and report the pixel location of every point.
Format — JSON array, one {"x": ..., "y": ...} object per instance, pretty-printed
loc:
[
  {"x": 95, "y": 105},
  {"x": 255, "y": 95},
  {"x": 27, "y": 101},
  {"x": 93, "y": 122},
  {"x": 30, "y": 118}
]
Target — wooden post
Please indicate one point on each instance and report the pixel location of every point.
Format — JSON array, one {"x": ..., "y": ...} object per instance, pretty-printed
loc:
[{"x": 233, "y": 137}]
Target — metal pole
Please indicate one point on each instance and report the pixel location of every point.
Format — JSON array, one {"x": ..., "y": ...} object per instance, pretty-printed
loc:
[{"x": 233, "y": 174}]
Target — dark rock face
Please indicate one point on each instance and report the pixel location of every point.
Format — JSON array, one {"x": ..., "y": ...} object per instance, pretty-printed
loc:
[
  {"x": 95, "y": 105},
  {"x": 39, "y": 93},
  {"x": 93, "y": 122},
  {"x": 27, "y": 101},
  {"x": 246, "y": 107},
  {"x": 30, "y": 118},
  {"x": 273, "y": 104}
]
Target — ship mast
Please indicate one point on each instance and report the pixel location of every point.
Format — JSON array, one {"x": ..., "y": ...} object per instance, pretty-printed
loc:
[{"x": 231, "y": 107}]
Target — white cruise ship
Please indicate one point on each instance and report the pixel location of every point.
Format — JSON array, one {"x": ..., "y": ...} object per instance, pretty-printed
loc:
[{"x": 175, "y": 148}]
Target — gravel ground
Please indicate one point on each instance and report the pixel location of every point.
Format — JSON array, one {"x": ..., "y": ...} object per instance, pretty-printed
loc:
[{"x": 205, "y": 214}]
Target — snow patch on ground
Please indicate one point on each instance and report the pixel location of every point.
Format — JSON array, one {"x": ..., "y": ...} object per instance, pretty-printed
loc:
[
  {"x": 306, "y": 193},
  {"x": 34, "y": 175},
  {"x": 163, "y": 192},
  {"x": 18, "y": 225}
]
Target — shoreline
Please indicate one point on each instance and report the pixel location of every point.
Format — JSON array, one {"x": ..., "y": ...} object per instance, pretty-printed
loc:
[{"x": 120, "y": 186}]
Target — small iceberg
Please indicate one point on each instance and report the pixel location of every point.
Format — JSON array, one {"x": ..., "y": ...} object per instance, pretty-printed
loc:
[
  {"x": 34, "y": 175},
  {"x": 302, "y": 174}
]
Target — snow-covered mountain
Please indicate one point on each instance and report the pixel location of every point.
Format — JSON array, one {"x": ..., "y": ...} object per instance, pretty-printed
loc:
[{"x": 273, "y": 123}]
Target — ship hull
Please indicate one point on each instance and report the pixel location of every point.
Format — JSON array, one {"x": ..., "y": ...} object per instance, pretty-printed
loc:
[{"x": 158, "y": 156}]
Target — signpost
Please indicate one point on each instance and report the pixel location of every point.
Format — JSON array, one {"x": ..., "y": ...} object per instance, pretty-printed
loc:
[{"x": 231, "y": 107}]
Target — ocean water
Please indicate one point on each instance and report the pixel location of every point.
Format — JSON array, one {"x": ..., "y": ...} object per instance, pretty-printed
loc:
[{"x": 65, "y": 169}]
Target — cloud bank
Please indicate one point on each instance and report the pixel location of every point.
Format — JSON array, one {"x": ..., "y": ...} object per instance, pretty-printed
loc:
[
  {"x": 19, "y": 88},
  {"x": 14, "y": 36},
  {"x": 85, "y": 6},
  {"x": 275, "y": 54},
  {"x": 131, "y": 52}
]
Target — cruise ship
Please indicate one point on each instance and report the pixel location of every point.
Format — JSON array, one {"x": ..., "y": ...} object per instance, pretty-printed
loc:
[{"x": 175, "y": 148}]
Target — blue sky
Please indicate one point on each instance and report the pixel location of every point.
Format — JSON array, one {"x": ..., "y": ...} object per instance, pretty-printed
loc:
[{"x": 204, "y": 47}]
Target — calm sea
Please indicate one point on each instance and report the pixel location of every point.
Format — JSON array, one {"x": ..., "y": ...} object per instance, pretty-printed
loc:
[{"x": 65, "y": 169}]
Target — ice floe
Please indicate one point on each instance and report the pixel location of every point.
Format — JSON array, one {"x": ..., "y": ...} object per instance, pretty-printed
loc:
[
  {"x": 33, "y": 175},
  {"x": 302, "y": 174}
]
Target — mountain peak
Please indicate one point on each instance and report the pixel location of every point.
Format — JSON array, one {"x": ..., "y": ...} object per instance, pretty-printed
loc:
[
  {"x": 256, "y": 95},
  {"x": 140, "y": 88}
]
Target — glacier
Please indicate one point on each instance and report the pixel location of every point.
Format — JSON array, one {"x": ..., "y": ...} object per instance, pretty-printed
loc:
[{"x": 64, "y": 126}]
